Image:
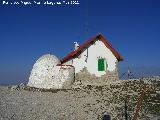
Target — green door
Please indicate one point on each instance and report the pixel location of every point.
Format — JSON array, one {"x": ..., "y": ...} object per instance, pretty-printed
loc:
[{"x": 101, "y": 65}]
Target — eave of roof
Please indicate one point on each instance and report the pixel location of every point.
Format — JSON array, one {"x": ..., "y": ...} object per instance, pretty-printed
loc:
[{"x": 100, "y": 37}]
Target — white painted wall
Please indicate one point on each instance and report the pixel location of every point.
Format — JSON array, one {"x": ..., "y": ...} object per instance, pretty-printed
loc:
[
  {"x": 46, "y": 73},
  {"x": 95, "y": 51}
]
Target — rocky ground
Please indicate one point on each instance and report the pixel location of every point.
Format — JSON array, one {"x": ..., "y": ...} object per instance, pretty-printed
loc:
[{"x": 81, "y": 102}]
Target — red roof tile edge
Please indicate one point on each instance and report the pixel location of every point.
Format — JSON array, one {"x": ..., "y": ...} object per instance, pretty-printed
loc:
[
  {"x": 65, "y": 65},
  {"x": 100, "y": 37}
]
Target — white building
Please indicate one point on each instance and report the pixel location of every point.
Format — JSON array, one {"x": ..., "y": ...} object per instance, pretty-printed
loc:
[
  {"x": 94, "y": 62},
  {"x": 48, "y": 73}
]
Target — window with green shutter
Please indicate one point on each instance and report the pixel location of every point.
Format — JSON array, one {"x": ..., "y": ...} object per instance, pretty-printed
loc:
[{"x": 101, "y": 65}]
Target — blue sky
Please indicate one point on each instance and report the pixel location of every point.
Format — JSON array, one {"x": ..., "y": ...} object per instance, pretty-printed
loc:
[{"x": 28, "y": 32}]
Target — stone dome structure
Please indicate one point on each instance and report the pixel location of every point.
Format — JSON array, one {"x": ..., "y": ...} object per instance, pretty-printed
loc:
[{"x": 48, "y": 73}]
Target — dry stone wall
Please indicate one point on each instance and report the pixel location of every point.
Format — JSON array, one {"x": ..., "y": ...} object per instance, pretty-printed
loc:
[{"x": 85, "y": 78}]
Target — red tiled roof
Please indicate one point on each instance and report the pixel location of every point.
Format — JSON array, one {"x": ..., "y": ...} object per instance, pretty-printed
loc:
[{"x": 100, "y": 37}]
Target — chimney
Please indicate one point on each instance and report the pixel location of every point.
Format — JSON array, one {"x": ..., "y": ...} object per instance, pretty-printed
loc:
[{"x": 76, "y": 45}]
